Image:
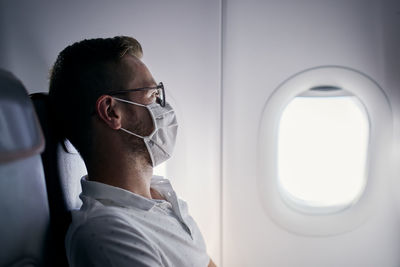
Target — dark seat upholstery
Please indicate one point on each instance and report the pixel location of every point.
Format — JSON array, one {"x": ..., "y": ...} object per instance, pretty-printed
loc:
[
  {"x": 24, "y": 218},
  {"x": 63, "y": 170}
]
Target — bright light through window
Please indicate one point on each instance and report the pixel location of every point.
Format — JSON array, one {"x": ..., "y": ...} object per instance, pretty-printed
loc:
[{"x": 322, "y": 152}]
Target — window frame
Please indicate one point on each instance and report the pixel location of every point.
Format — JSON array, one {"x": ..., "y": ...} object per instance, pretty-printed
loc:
[{"x": 380, "y": 114}]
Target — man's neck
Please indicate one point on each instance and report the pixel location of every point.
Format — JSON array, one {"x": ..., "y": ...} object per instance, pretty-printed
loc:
[{"x": 130, "y": 173}]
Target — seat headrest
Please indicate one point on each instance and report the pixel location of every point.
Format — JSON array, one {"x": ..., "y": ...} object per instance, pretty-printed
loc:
[{"x": 21, "y": 135}]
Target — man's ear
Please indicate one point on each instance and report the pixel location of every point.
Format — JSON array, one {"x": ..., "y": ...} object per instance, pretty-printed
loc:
[{"x": 108, "y": 112}]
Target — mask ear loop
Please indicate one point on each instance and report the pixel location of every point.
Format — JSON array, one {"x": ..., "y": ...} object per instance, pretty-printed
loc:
[
  {"x": 129, "y": 102},
  {"x": 151, "y": 115},
  {"x": 132, "y": 133}
]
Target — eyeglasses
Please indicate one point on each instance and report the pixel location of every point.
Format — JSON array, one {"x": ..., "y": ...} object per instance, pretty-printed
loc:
[{"x": 160, "y": 94}]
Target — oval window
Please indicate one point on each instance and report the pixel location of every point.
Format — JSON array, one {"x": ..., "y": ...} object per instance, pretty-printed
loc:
[{"x": 323, "y": 137}]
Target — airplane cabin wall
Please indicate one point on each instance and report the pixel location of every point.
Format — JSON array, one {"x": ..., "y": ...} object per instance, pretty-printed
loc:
[
  {"x": 265, "y": 43},
  {"x": 261, "y": 44}
]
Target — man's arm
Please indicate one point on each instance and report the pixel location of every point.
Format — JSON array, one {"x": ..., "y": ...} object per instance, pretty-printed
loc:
[{"x": 108, "y": 241}]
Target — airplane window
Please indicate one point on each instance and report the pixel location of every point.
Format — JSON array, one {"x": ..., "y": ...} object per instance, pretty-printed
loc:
[{"x": 322, "y": 151}]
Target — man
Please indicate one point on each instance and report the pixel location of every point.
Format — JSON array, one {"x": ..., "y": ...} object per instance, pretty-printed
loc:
[{"x": 107, "y": 104}]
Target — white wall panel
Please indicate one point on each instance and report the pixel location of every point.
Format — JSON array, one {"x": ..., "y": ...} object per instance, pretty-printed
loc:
[{"x": 264, "y": 43}]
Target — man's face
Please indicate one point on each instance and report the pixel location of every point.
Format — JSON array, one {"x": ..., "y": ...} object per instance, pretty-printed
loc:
[{"x": 136, "y": 118}]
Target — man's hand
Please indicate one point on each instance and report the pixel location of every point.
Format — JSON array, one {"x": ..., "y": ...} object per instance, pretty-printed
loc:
[{"x": 211, "y": 263}]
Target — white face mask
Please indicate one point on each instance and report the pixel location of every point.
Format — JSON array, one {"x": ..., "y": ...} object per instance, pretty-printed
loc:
[{"x": 160, "y": 143}]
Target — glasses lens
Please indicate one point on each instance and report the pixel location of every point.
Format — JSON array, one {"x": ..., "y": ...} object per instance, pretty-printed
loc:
[{"x": 161, "y": 95}]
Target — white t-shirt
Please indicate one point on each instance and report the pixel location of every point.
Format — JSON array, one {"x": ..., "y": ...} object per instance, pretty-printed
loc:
[{"x": 116, "y": 227}]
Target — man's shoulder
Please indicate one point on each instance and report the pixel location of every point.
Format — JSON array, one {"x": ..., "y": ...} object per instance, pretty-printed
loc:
[
  {"x": 109, "y": 238},
  {"x": 100, "y": 219},
  {"x": 105, "y": 230},
  {"x": 84, "y": 223},
  {"x": 96, "y": 219}
]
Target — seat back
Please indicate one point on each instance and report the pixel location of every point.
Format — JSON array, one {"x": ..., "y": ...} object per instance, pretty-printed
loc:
[
  {"x": 24, "y": 218},
  {"x": 63, "y": 170}
]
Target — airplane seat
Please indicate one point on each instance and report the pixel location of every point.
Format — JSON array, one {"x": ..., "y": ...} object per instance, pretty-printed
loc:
[
  {"x": 24, "y": 219},
  {"x": 63, "y": 170}
]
